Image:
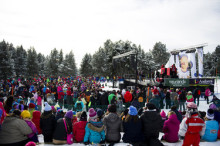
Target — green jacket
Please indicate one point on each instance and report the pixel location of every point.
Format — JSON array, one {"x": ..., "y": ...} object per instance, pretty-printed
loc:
[{"x": 110, "y": 97}]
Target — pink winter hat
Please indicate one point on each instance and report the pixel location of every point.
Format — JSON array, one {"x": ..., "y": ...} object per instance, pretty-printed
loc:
[
  {"x": 163, "y": 115},
  {"x": 31, "y": 143},
  {"x": 92, "y": 113}
]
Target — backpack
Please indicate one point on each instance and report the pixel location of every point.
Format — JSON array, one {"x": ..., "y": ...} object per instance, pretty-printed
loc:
[
  {"x": 199, "y": 92},
  {"x": 140, "y": 99},
  {"x": 78, "y": 106}
]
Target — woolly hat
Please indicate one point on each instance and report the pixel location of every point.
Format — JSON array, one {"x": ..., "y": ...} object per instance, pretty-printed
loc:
[
  {"x": 15, "y": 103},
  {"x": 112, "y": 108},
  {"x": 192, "y": 105},
  {"x": 56, "y": 107},
  {"x": 31, "y": 143},
  {"x": 132, "y": 111},
  {"x": 150, "y": 106},
  {"x": 92, "y": 113},
  {"x": 100, "y": 112},
  {"x": 210, "y": 114},
  {"x": 69, "y": 114},
  {"x": 212, "y": 106},
  {"x": 83, "y": 116},
  {"x": 189, "y": 92},
  {"x": 31, "y": 105},
  {"x": 26, "y": 114},
  {"x": 163, "y": 115},
  {"x": 74, "y": 113},
  {"x": 47, "y": 107},
  {"x": 53, "y": 108}
]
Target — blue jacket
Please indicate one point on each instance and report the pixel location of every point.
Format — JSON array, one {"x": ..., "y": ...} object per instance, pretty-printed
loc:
[
  {"x": 211, "y": 130},
  {"x": 94, "y": 132}
]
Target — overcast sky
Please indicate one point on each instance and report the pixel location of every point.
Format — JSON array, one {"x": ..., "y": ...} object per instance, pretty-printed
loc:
[{"x": 84, "y": 25}]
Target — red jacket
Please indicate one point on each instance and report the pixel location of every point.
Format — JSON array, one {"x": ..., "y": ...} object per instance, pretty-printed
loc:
[
  {"x": 68, "y": 92},
  {"x": 79, "y": 130},
  {"x": 36, "y": 120},
  {"x": 128, "y": 97}
]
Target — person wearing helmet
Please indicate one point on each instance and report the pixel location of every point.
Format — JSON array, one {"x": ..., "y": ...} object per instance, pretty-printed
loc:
[{"x": 192, "y": 127}]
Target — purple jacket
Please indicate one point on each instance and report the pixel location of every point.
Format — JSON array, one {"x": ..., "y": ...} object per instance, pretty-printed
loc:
[
  {"x": 171, "y": 128},
  {"x": 33, "y": 128}
]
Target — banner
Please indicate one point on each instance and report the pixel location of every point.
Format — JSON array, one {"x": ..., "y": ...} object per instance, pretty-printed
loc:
[
  {"x": 200, "y": 61},
  {"x": 176, "y": 82},
  {"x": 192, "y": 58},
  {"x": 184, "y": 65},
  {"x": 177, "y": 63},
  {"x": 170, "y": 62},
  {"x": 202, "y": 81}
]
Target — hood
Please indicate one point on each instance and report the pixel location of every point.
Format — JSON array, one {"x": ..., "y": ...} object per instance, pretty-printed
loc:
[
  {"x": 36, "y": 115},
  {"x": 127, "y": 92},
  {"x": 151, "y": 115},
  {"x": 112, "y": 117},
  {"x": 92, "y": 127},
  {"x": 173, "y": 119},
  {"x": 46, "y": 114},
  {"x": 82, "y": 124}
]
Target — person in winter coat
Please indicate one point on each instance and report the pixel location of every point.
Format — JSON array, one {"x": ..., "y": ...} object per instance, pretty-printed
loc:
[
  {"x": 127, "y": 96},
  {"x": 69, "y": 99},
  {"x": 192, "y": 127},
  {"x": 163, "y": 116},
  {"x": 32, "y": 101},
  {"x": 168, "y": 100},
  {"x": 94, "y": 129},
  {"x": 8, "y": 104},
  {"x": 31, "y": 109},
  {"x": 47, "y": 123},
  {"x": 120, "y": 107},
  {"x": 171, "y": 128},
  {"x": 113, "y": 125},
  {"x": 39, "y": 103},
  {"x": 152, "y": 125},
  {"x": 156, "y": 101},
  {"x": 2, "y": 114},
  {"x": 212, "y": 127},
  {"x": 189, "y": 97},
  {"x": 60, "y": 133},
  {"x": 216, "y": 112},
  {"x": 148, "y": 93},
  {"x": 79, "y": 128},
  {"x": 182, "y": 100},
  {"x": 104, "y": 98},
  {"x": 79, "y": 105},
  {"x": 59, "y": 114},
  {"x": 110, "y": 97},
  {"x": 132, "y": 127},
  {"x": 178, "y": 114},
  {"x": 26, "y": 116},
  {"x": 136, "y": 103},
  {"x": 207, "y": 94},
  {"x": 36, "y": 120},
  {"x": 14, "y": 130}
]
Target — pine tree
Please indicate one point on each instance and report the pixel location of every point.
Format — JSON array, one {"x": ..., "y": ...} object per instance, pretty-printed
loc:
[
  {"x": 5, "y": 64},
  {"x": 41, "y": 64},
  {"x": 53, "y": 63},
  {"x": 71, "y": 69},
  {"x": 20, "y": 61},
  {"x": 86, "y": 66},
  {"x": 160, "y": 54},
  {"x": 32, "y": 63}
]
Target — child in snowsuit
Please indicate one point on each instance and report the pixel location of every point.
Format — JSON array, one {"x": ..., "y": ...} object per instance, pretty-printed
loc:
[
  {"x": 192, "y": 127},
  {"x": 27, "y": 118}
]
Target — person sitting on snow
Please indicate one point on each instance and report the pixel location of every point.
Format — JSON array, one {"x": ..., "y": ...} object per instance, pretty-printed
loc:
[{"x": 191, "y": 127}]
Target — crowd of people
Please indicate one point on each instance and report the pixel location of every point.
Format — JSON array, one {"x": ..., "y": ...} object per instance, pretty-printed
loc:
[{"x": 135, "y": 113}]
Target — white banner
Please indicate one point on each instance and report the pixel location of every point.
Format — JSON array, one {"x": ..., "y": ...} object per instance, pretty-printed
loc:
[
  {"x": 177, "y": 63},
  {"x": 200, "y": 61},
  {"x": 184, "y": 65},
  {"x": 170, "y": 62},
  {"x": 192, "y": 58}
]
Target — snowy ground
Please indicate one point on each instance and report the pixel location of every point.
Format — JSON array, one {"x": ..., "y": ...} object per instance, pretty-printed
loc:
[{"x": 202, "y": 107}]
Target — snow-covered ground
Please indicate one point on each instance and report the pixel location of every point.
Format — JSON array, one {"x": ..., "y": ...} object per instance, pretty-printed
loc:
[{"x": 203, "y": 106}]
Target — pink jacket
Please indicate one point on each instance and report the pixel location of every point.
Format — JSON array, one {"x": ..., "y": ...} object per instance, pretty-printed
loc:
[
  {"x": 39, "y": 100},
  {"x": 33, "y": 128},
  {"x": 207, "y": 92},
  {"x": 171, "y": 128}
]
